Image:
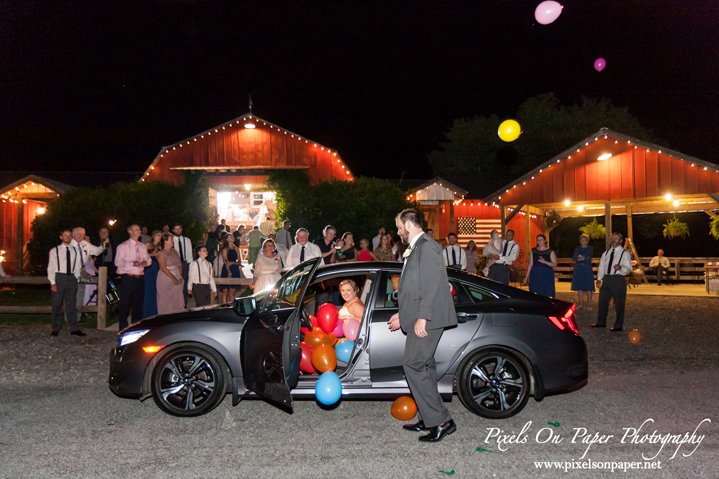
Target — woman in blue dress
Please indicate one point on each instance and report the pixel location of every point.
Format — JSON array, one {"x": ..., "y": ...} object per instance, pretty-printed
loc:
[
  {"x": 231, "y": 268},
  {"x": 540, "y": 271},
  {"x": 149, "y": 306},
  {"x": 583, "y": 275}
]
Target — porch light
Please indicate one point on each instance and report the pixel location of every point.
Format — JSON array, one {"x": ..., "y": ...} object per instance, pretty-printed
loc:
[
  {"x": 41, "y": 210},
  {"x": 605, "y": 156},
  {"x": 111, "y": 222},
  {"x": 250, "y": 125},
  {"x": 248, "y": 186},
  {"x": 581, "y": 208},
  {"x": 567, "y": 202},
  {"x": 668, "y": 197},
  {"x": 676, "y": 203}
]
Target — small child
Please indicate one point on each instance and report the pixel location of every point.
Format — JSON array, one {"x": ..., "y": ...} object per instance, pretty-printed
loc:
[
  {"x": 201, "y": 283},
  {"x": 493, "y": 247}
]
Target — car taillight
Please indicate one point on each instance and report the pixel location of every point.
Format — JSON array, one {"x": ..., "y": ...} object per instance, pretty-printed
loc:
[{"x": 565, "y": 321}]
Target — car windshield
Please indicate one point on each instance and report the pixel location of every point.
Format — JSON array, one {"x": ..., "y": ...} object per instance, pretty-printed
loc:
[{"x": 289, "y": 289}]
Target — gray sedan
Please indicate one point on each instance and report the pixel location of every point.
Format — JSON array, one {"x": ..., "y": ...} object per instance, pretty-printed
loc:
[{"x": 509, "y": 345}]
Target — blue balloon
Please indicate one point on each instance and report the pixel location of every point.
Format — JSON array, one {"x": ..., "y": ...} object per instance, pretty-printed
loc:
[
  {"x": 328, "y": 388},
  {"x": 344, "y": 350}
]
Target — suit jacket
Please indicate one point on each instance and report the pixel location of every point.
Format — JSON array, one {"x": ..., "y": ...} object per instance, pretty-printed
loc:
[{"x": 423, "y": 290}]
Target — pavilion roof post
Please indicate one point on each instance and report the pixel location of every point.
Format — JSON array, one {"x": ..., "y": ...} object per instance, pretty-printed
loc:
[{"x": 608, "y": 222}]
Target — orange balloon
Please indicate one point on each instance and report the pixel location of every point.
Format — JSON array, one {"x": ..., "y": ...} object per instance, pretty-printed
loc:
[
  {"x": 329, "y": 339},
  {"x": 324, "y": 358},
  {"x": 315, "y": 337},
  {"x": 404, "y": 408},
  {"x": 634, "y": 336}
]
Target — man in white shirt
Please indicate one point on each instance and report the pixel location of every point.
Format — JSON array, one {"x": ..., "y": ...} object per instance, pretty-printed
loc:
[
  {"x": 454, "y": 256},
  {"x": 615, "y": 264},
  {"x": 375, "y": 241},
  {"x": 63, "y": 270},
  {"x": 659, "y": 265},
  {"x": 283, "y": 236},
  {"x": 86, "y": 250},
  {"x": 144, "y": 237},
  {"x": 302, "y": 250},
  {"x": 510, "y": 251},
  {"x": 183, "y": 246},
  {"x": 201, "y": 283},
  {"x": 281, "y": 250}
]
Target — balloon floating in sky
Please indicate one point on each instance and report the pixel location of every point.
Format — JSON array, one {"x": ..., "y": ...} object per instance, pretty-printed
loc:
[
  {"x": 599, "y": 64},
  {"x": 547, "y": 12},
  {"x": 634, "y": 336},
  {"x": 509, "y": 130},
  {"x": 328, "y": 388}
]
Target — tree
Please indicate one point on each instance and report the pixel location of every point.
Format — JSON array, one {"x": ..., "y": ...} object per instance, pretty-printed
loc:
[
  {"x": 475, "y": 158},
  {"x": 361, "y": 206},
  {"x": 148, "y": 204}
]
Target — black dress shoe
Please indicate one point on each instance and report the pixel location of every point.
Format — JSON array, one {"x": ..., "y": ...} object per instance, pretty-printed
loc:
[
  {"x": 78, "y": 333},
  {"x": 436, "y": 433},
  {"x": 599, "y": 326},
  {"x": 615, "y": 330},
  {"x": 416, "y": 427},
  {"x": 54, "y": 333}
]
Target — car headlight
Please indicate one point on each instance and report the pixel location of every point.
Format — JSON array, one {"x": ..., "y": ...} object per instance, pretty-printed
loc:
[{"x": 132, "y": 336}]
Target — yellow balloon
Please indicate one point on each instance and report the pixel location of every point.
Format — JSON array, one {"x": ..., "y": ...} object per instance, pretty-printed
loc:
[{"x": 509, "y": 130}]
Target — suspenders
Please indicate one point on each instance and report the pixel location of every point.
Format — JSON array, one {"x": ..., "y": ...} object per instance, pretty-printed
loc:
[
  {"x": 618, "y": 262},
  {"x": 199, "y": 271},
  {"x": 57, "y": 254}
]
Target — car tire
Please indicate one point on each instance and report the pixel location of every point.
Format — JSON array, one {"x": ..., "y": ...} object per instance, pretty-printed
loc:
[
  {"x": 189, "y": 380},
  {"x": 487, "y": 394}
]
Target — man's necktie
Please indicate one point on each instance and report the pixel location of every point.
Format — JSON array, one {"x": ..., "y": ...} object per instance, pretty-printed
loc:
[
  {"x": 611, "y": 260},
  {"x": 68, "y": 268},
  {"x": 182, "y": 250},
  {"x": 454, "y": 256},
  {"x": 504, "y": 253},
  {"x": 302, "y": 255}
]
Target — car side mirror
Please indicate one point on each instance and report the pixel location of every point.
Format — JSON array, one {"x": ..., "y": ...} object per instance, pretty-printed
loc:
[{"x": 244, "y": 306}]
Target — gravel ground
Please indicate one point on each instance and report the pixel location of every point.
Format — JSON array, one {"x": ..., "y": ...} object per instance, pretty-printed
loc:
[{"x": 58, "y": 418}]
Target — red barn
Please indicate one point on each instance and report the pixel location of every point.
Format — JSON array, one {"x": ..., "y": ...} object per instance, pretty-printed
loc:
[{"x": 237, "y": 157}]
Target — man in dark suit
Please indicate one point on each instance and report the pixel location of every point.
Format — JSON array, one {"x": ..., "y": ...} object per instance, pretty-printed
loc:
[{"x": 425, "y": 309}]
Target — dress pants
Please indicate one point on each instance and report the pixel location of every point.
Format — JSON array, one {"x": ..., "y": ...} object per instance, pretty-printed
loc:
[
  {"x": 659, "y": 271},
  {"x": 132, "y": 296},
  {"x": 420, "y": 371},
  {"x": 613, "y": 286},
  {"x": 185, "y": 275},
  {"x": 500, "y": 273},
  {"x": 202, "y": 294},
  {"x": 66, "y": 285}
]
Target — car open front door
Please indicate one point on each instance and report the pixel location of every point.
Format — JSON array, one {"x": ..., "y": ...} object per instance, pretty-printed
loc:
[{"x": 269, "y": 345}]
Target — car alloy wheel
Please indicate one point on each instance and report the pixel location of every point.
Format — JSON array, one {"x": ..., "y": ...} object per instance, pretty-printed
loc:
[
  {"x": 189, "y": 381},
  {"x": 493, "y": 384}
]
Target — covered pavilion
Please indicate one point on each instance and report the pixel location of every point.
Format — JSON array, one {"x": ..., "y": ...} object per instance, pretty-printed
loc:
[{"x": 609, "y": 173}]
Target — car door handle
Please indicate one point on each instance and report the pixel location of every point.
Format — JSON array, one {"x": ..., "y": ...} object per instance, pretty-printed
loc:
[{"x": 464, "y": 317}]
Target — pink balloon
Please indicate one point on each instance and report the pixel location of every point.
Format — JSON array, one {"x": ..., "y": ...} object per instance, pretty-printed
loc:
[
  {"x": 338, "y": 329},
  {"x": 351, "y": 328},
  {"x": 599, "y": 64},
  {"x": 547, "y": 12}
]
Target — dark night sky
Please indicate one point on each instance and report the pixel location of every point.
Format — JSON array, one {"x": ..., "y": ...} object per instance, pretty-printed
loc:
[{"x": 103, "y": 85}]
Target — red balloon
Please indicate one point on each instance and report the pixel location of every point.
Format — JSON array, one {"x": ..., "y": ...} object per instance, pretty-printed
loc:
[
  {"x": 324, "y": 358},
  {"x": 315, "y": 337},
  {"x": 404, "y": 408},
  {"x": 327, "y": 317},
  {"x": 313, "y": 320},
  {"x": 304, "y": 330},
  {"x": 306, "y": 361}
]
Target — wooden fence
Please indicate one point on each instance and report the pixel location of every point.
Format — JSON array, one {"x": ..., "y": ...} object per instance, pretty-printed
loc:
[
  {"x": 100, "y": 281},
  {"x": 680, "y": 269}
]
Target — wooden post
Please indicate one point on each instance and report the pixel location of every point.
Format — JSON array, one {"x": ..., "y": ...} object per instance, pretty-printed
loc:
[
  {"x": 630, "y": 230},
  {"x": 503, "y": 216},
  {"x": 608, "y": 222},
  {"x": 451, "y": 217},
  {"x": 20, "y": 237},
  {"x": 527, "y": 234},
  {"x": 101, "y": 297}
]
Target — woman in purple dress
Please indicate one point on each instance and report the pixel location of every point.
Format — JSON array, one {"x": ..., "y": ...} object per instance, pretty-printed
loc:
[{"x": 170, "y": 285}]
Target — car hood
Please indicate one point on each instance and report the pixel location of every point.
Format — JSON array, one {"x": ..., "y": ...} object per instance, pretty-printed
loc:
[{"x": 203, "y": 313}]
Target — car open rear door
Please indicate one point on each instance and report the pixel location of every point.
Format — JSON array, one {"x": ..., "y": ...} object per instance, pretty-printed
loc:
[{"x": 269, "y": 345}]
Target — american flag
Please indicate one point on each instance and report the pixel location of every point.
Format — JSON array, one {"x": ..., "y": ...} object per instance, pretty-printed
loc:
[{"x": 476, "y": 229}]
